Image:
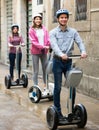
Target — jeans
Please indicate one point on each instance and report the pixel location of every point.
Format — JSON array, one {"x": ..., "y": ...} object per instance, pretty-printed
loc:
[
  {"x": 12, "y": 58},
  {"x": 59, "y": 67}
]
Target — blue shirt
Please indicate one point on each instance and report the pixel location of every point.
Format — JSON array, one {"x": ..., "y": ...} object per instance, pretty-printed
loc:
[{"x": 62, "y": 42}]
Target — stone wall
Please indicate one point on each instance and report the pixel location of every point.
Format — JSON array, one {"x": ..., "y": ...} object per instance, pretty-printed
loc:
[{"x": 90, "y": 86}]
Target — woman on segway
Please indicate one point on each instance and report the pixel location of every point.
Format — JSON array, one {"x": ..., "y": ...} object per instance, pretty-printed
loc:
[
  {"x": 40, "y": 44},
  {"x": 14, "y": 39}
]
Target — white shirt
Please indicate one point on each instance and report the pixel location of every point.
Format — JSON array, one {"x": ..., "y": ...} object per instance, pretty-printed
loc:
[{"x": 40, "y": 35}]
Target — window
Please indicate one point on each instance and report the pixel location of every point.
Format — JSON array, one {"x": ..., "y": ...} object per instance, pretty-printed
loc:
[
  {"x": 9, "y": 15},
  {"x": 39, "y": 2},
  {"x": 81, "y": 10},
  {"x": 56, "y": 7},
  {"x": 29, "y": 23},
  {"x": 9, "y": 20}
]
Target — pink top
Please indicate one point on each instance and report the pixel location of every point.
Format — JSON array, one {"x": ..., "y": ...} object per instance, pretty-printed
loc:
[
  {"x": 15, "y": 40},
  {"x": 36, "y": 47}
]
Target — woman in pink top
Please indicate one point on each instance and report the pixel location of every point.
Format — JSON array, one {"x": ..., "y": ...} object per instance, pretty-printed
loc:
[
  {"x": 39, "y": 38},
  {"x": 13, "y": 40}
]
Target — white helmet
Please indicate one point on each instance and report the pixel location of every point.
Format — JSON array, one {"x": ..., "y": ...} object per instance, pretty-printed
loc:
[
  {"x": 37, "y": 15},
  {"x": 14, "y": 25}
]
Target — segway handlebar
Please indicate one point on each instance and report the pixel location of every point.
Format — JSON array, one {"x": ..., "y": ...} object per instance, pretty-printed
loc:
[
  {"x": 74, "y": 57},
  {"x": 18, "y": 46}
]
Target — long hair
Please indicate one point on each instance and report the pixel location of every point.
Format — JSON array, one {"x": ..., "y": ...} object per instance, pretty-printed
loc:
[
  {"x": 35, "y": 26},
  {"x": 15, "y": 34}
]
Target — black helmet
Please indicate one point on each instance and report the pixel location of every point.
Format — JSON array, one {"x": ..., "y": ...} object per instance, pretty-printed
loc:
[
  {"x": 14, "y": 25},
  {"x": 62, "y": 11}
]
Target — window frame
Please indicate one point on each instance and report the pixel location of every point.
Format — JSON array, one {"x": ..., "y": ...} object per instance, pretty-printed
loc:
[
  {"x": 56, "y": 6},
  {"x": 80, "y": 10},
  {"x": 39, "y": 2}
]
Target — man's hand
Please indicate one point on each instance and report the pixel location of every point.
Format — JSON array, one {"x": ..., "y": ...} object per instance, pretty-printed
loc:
[
  {"x": 83, "y": 55},
  {"x": 64, "y": 57}
]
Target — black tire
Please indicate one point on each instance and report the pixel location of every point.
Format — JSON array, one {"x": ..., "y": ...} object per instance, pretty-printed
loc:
[
  {"x": 25, "y": 80},
  {"x": 5, "y": 80},
  {"x": 8, "y": 81},
  {"x": 52, "y": 118},
  {"x": 50, "y": 98},
  {"x": 80, "y": 112},
  {"x": 34, "y": 94}
]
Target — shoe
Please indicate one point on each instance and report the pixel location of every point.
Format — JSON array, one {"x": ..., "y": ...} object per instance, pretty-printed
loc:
[
  {"x": 45, "y": 92},
  {"x": 21, "y": 81},
  {"x": 44, "y": 88},
  {"x": 61, "y": 117}
]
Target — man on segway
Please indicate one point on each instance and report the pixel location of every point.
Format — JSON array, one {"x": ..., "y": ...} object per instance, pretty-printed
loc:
[{"x": 62, "y": 40}]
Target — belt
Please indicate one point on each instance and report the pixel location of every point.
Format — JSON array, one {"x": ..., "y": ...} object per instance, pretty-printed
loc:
[{"x": 59, "y": 58}]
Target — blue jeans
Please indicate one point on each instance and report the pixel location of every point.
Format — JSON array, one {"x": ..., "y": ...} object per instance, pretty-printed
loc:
[
  {"x": 12, "y": 58},
  {"x": 59, "y": 67}
]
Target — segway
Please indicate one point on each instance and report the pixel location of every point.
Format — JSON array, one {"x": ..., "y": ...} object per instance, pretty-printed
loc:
[
  {"x": 35, "y": 93},
  {"x": 77, "y": 114},
  {"x": 23, "y": 81}
]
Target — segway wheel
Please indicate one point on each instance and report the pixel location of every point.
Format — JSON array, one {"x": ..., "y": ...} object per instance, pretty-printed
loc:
[
  {"x": 8, "y": 81},
  {"x": 81, "y": 113},
  {"x": 50, "y": 98},
  {"x": 52, "y": 118},
  {"x": 34, "y": 94},
  {"x": 25, "y": 80}
]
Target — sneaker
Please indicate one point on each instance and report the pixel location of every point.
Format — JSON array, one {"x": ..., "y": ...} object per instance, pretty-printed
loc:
[
  {"x": 44, "y": 88},
  {"x": 44, "y": 92},
  {"x": 21, "y": 81},
  {"x": 61, "y": 117}
]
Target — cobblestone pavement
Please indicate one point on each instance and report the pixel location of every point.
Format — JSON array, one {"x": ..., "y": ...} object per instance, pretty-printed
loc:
[{"x": 31, "y": 116}]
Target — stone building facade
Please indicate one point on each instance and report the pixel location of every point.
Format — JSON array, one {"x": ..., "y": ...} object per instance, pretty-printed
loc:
[{"x": 83, "y": 16}]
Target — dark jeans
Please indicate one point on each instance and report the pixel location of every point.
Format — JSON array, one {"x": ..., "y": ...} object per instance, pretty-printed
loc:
[
  {"x": 59, "y": 67},
  {"x": 12, "y": 58}
]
